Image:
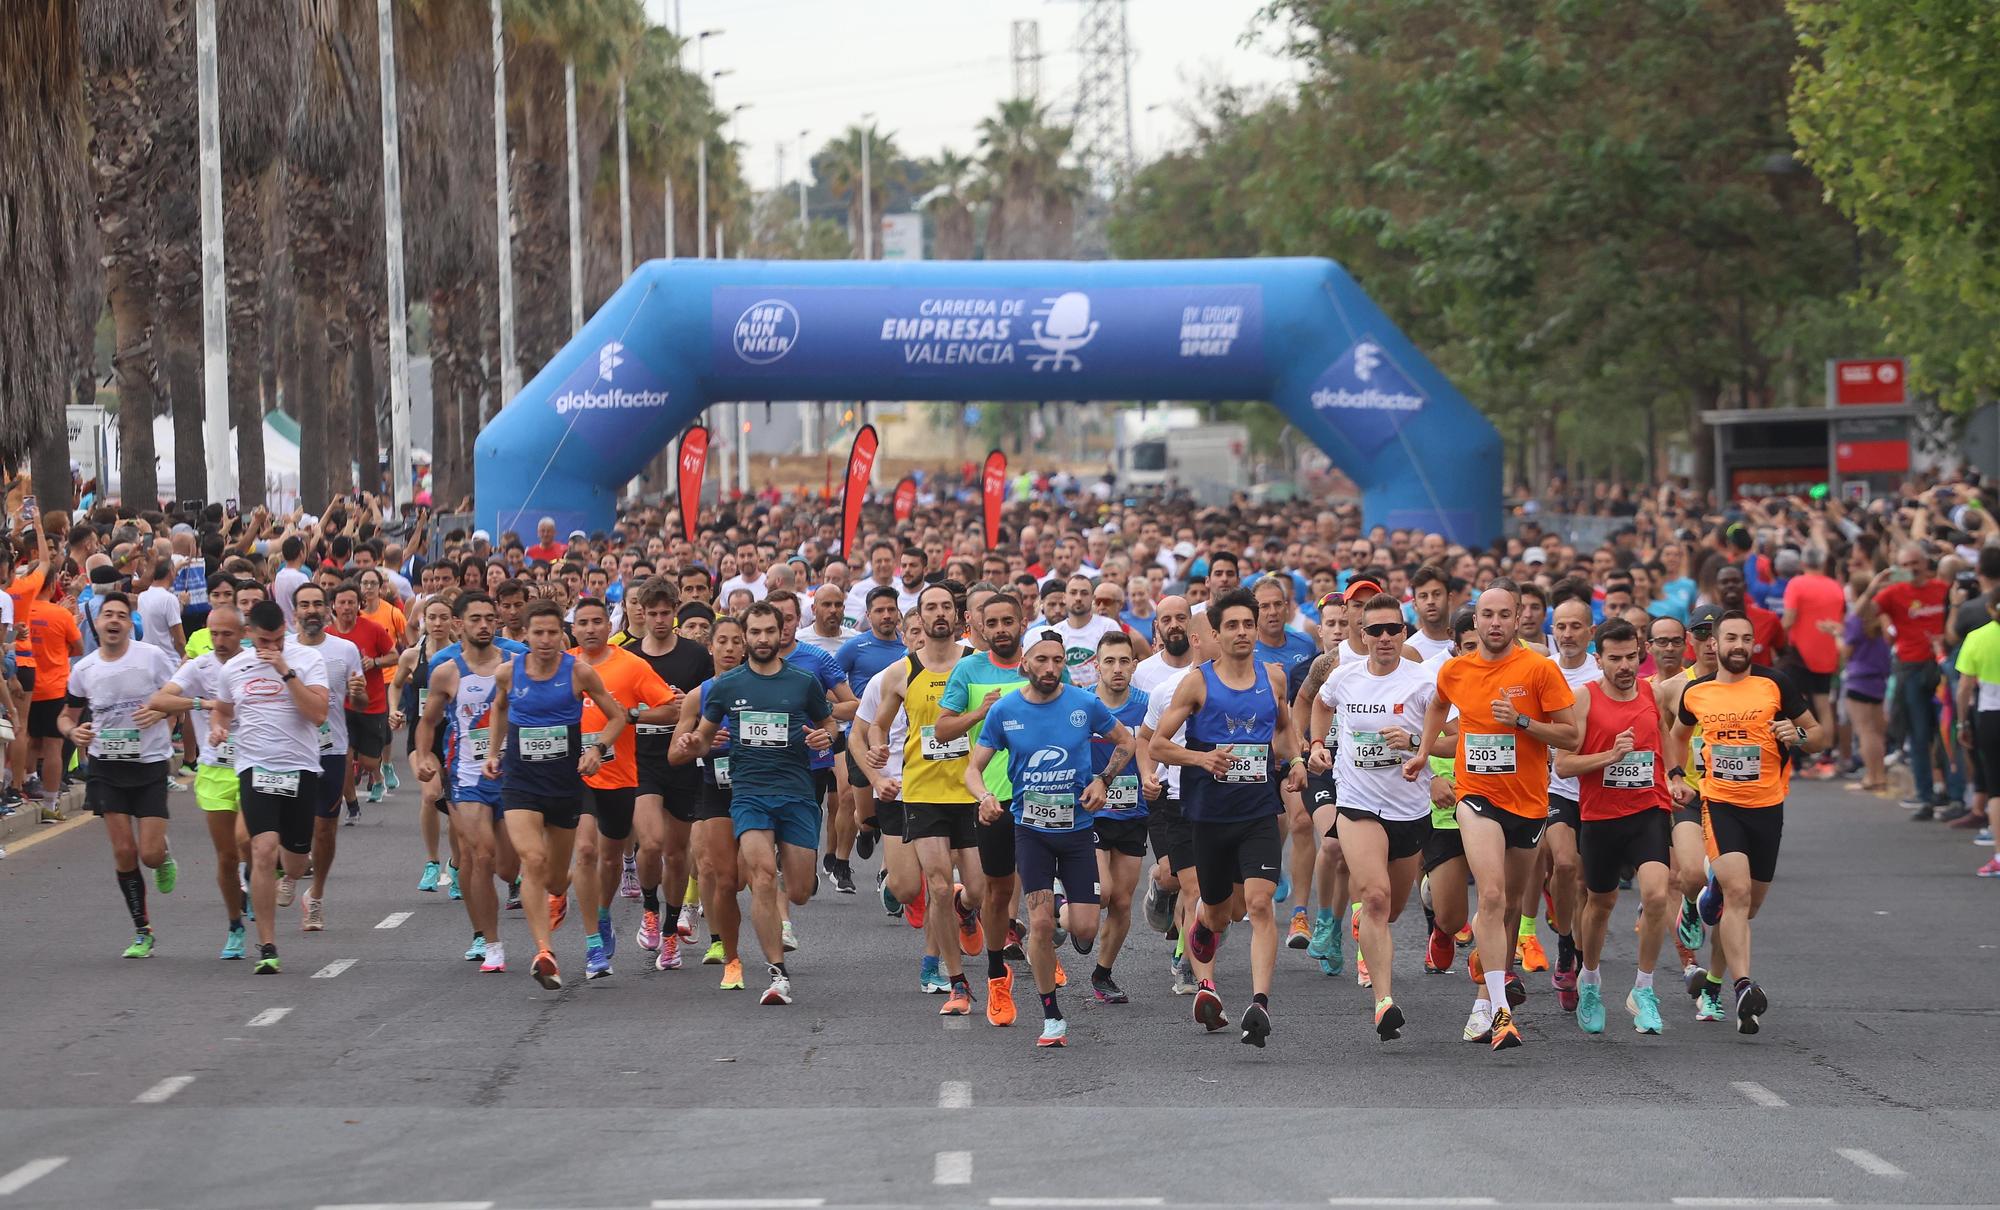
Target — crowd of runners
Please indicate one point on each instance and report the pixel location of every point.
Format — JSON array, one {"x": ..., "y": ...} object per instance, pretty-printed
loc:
[{"x": 1247, "y": 730}]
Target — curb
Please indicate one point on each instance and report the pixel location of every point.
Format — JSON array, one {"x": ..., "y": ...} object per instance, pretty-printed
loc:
[{"x": 27, "y": 822}]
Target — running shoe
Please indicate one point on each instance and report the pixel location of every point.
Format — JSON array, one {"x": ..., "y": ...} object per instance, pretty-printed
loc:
[
  {"x": 1983, "y": 838},
  {"x": 1708, "y": 1007},
  {"x": 891, "y": 906},
  {"x": 843, "y": 879},
  {"x": 1202, "y": 944},
  {"x": 313, "y": 919},
  {"x": 732, "y": 975},
  {"x": 668, "y": 957},
  {"x": 1388, "y": 1020},
  {"x": 1016, "y": 933},
  {"x": 1300, "y": 935},
  {"x": 1590, "y": 1008},
  {"x": 971, "y": 938},
  {"x": 1695, "y": 979},
  {"x": 52, "y": 813},
  {"x": 1529, "y": 955},
  {"x": 1055, "y": 1032},
  {"x": 1324, "y": 936},
  {"x": 1644, "y": 1005},
  {"x": 1566, "y": 993},
  {"x": 232, "y": 948},
  {"x": 495, "y": 961},
  {"x": 596, "y": 963},
  {"x": 1479, "y": 1026},
  {"x": 1106, "y": 991},
  {"x": 558, "y": 911},
  {"x": 1751, "y": 1004},
  {"x": 1000, "y": 1000},
  {"x": 1062, "y": 976},
  {"x": 791, "y": 939},
  {"x": 1439, "y": 953},
  {"x": 1463, "y": 937},
  {"x": 1184, "y": 984},
  {"x": 1709, "y": 903},
  {"x": 389, "y": 774},
  {"x": 713, "y": 955},
  {"x": 267, "y": 964},
  {"x": 649, "y": 932},
  {"x": 685, "y": 924},
  {"x": 1159, "y": 907},
  {"x": 1506, "y": 1035},
  {"x": 865, "y": 841},
  {"x": 1208, "y": 1008},
  {"x": 287, "y": 890},
  {"x": 454, "y": 888},
  {"x": 376, "y": 790},
  {"x": 167, "y": 876},
  {"x": 1333, "y": 960},
  {"x": 432, "y": 871},
  {"x": 353, "y": 813},
  {"x": 513, "y": 903},
  {"x": 476, "y": 952},
  {"x": 628, "y": 882},
  {"x": 1517, "y": 990},
  {"x": 913, "y": 911},
  {"x": 931, "y": 980},
  {"x": 1283, "y": 893},
  {"x": 543, "y": 968},
  {"x": 1361, "y": 975},
  {"x": 1990, "y": 870},
  {"x": 1256, "y": 1025},
  {"x": 957, "y": 1001}
]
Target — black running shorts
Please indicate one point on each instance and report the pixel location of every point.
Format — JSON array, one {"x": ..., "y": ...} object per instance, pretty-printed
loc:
[
  {"x": 1230, "y": 853},
  {"x": 1609, "y": 847},
  {"x": 1751, "y": 831}
]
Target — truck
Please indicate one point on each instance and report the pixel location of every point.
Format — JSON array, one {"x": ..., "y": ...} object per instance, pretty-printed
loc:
[{"x": 1174, "y": 448}]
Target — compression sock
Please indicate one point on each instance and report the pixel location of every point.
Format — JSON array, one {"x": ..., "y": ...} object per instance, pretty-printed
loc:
[
  {"x": 996, "y": 964},
  {"x": 132, "y": 884},
  {"x": 1051, "y": 1011},
  {"x": 651, "y": 899},
  {"x": 1642, "y": 981},
  {"x": 1589, "y": 976},
  {"x": 1496, "y": 986}
]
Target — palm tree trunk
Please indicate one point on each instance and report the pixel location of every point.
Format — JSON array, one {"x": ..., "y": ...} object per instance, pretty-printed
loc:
[
  {"x": 182, "y": 363},
  {"x": 247, "y": 217},
  {"x": 305, "y": 381},
  {"x": 129, "y": 288},
  {"x": 367, "y": 442},
  {"x": 448, "y": 379}
]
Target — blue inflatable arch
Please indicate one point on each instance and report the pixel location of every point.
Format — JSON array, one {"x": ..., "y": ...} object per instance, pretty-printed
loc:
[{"x": 684, "y": 334}]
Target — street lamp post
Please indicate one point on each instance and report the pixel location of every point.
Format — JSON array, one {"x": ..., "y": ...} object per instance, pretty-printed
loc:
[
  {"x": 701, "y": 148},
  {"x": 805, "y": 168},
  {"x": 867, "y": 198},
  {"x": 510, "y": 366}
]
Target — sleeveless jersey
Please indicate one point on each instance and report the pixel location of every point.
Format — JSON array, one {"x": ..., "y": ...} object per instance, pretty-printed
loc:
[
  {"x": 714, "y": 766},
  {"x": 933, "y": 772},
  {"x": 1695, "y": 744},
  {"x": 469, "y": 740},
  {"x": 1243, "y": 721},
  {"x": 1635, "y": 782},
  {"x": 544, "y": 732}
]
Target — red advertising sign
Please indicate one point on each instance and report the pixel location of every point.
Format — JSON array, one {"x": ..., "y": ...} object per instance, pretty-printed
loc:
[
  {"x": 860, "y": 465},
  {"x": 993, "y": 493},
  {"x": 1864, "y": 457},
  {"x": 1761, "y": 482},
  {"x": 693, "y": 464},
  {"x": 904, "y": 502},
  {"x": 1866, "y": 380}
]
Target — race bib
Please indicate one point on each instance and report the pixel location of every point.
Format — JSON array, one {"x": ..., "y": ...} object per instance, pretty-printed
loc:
[
  {"x": 1735, "y": 762},
  {"x": 1123, "y": 793},
  {"x": 1632, "y": 771},
  {"x": 1248, "y": 763},
  {"x": 480, "y": 741},
  {"x": 226, "y": 753},
  {"x": 1049, "y": 812},
  {"x": 721, "y": 766},
  {"x": 1696, "y": 747},
  {"x": 1489, "y": 753},
  {"x": 1371, "y": 751},
  {"x": 271, "y": 781},
  {"x": 933, "y": 750},
  {"x": 656, "y": 730},
  {"x": 544, "y": 743},
  {"x": 118, "y": 743},
  {"x": 590, "y": 738},
  {"x": 326, "y": 737},
  {"x": 764, "y": 729},
  {"x": 423, "y": 695}
]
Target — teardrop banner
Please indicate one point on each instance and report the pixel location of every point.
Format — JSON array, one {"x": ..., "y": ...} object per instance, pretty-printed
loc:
[
  {"x": 905, "y": 501},
  {"x": 693, "y": 464},
  {"x": 993, "y": 491},
  {"x": 860, "y": 465}
]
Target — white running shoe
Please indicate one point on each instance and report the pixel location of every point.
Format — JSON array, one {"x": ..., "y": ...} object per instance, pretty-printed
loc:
[
  {"x": 780, "y": 991},
  {"x": 1479, "y": 1026}
]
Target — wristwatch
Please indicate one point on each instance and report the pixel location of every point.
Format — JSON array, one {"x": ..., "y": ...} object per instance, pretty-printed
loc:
[
  {"x": 1521, "y": 722},
  {"x": 632, "y": 715},
  {"x": 290, "y": 675},
  {"x": 604, "y": 750}
]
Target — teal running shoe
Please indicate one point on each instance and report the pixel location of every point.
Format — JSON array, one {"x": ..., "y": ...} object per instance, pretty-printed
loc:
[
  {"x": 1325, "y": 937},
  {"x": 389, "y": 774},
  {"x": 429, "y": 882},
  {"x": 932, "y": 980},
  {"x": 1590, "y": 1008},
  {"x": 456, "y": 877},
  {"x": 375, "y": 791},
  {"x": 1708, "y": 1007},
  {"x": 1645, "y": 1009},
  {"x": 1690, "y": 927},
  {"x": 1330, "y": 962},
  {"x": 232, "y": 949},
  {"x": 168, "y": 876},
  {"x": 477, "y": 951}
]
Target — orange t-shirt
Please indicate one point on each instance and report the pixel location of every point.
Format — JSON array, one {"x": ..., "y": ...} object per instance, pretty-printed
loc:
[
  {"x": 53, "y": 630},
  {"x": 634, "y": 683},
  {"x": 24, "y": 590},
  {"x": 389, "y": 618},
  {"x": 1501, "y": 763}
]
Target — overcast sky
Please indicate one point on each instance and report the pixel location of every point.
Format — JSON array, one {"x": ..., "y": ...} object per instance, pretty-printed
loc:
[{"x": 931, "y": 69}]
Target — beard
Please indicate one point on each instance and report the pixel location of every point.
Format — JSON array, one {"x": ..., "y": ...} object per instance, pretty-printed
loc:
[
  {"x": 1176, "y": 644},
  {"x": 1736, "y": 661},
  {"x": 1048, "y": 684},
  {"x": 764, "y": 653},
  {"x": 1006, "y": 646}
]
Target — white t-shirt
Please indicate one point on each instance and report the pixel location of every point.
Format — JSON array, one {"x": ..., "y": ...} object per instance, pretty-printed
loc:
[
  {"x": 1428, "y": 647},
  {"x": 733, "y": 583},
  {"x": 1080, "y": 643},
  {"x": 284, "y": 584},
  {"x": 201, "y": 677},
  {"x": 342, "y": 662},
  {"x": 159, "y": 613},
  {"x": 1370, "y": 772},
  {"x": 813, "y": 638},
  {"x": 269, "y": 732},
  {"x": 1159, "y": 679},
  {"x": 855, "y": 611},
  {"x": 1577, "y": 678},
  {"x": 899, "y": 727},
  {"x": 116, "y": 689}
]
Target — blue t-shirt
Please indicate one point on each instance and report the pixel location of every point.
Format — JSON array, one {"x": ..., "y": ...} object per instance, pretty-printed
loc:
[
  {"x": 446, "y": 654},
  {"x": 1048, "y": 751},
  {"x": 864, "y": 655},
  {"x": 1125, "y": 789},
  {"x": 828, "y": 673},
  {"x": 1143, "y": 627},
  {"x": 769, "y": 762},
  {"x": 1297, "y": 649},
  {"x": 1681, "y": 593}
]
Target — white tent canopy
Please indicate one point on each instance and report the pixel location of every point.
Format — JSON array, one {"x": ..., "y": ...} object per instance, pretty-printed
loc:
[{"x": 281, "y": 465}]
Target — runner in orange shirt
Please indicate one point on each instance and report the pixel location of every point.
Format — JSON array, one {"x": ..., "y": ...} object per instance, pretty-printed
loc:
[
  {"x": 614, "y": 788},
  {"x": 1513, "y": 706},
  {"x": 57, "y": 640}
]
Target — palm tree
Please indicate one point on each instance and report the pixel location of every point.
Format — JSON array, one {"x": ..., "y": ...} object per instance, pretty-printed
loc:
[
  {"x": 949, "y": 205},
  {"x": 44, "y": 191},
  {"x": 1030, "y": 192},
  {"x": 839, "y": 164}
]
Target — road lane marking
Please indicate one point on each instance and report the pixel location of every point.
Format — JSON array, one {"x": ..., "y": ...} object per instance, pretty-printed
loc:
[
  {"x": 952, "y": 1168},
  {"x": 332, "y": 970},
  {"x": 1760, "y": 1094},
  {"x": 1868, "y": 1161},
  {"x": 737, "y": 1203},
  {"x": 409, "y": 1206},
  {"x": 30, "y": 1172},
  {"x": 955, "y": 1094},
  {"x": 393, "y": 919},
  {"x": 1411, "y": 1201},
  {"x": 1056, "y": 1203},
  {"x": 270, "y": 1016},
  {"x": 1754, "y": 1201},
  {"x": 162, "y": 1090},
  {"x": 958, "y": 1022}
]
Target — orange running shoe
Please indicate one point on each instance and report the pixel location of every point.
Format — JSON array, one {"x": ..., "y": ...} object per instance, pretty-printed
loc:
[
  {"x": 1062, "y": 976},
  {"x": 1506, "y": 1034},
  {"x": 913, "y": 911},
  {"x": 971, "y": 938},
  {"x": 1474, "y": 968},
  {"x": 957, "y": 1004},
  {"x": 1462, "y": 936},
  {"x": 1000, "y": 1000},
  {"x": 1438, "y": 955},
  {"x": 1299, "y": 936},
  {"x": 1528, "y": 954},
  {"x": 558, "y": 911},
  {"x": 732, "y": 975},
  {"x": 544, "y": 970}
]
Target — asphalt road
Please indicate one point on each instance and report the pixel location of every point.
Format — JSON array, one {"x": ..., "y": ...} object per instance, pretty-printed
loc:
[{"x": 409, "y": 1079}]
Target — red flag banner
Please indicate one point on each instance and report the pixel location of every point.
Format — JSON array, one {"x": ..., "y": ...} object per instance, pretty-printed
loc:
[
  {"x": 993, "y": 492},
  {"x": 693, "y": 464},
  {"x": 860, "y": 465},
  {"x": 905, "y": 500}
]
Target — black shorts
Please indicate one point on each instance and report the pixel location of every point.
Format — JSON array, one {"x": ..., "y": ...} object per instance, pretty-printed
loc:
[
  {"x": 1321, "y": 791},
  {"x": 715, "y": 802},
  {"x": 996, "y": 845},
  {"x": 956, "y": 822},
  {"x": 1564, "y": 810},
  {"x": 822, "y": 784},
  {"x": 1751, "y": 831},
  {"x": 889, "y": 817},
  {"x": 855, "y": 777},
  {"x": 678, "y": 787},
  {"x": 1810, "y": 683},
  {"x": 124, "y": 787},
  {"x": 1229, "y": 853},
  {"x": 1047, "y": 856},
  {"x": 289, "y": 815},
  {"x": 1127, "y": 836},
  {"x": 1609, "y": 847},
  {"x": 1170, "y": 835},
  {"x": 612, "y": 809},
  {"x": 332, "y": 782},
  {"x": 42, "y": 718},
  {"x": 1855, "y": 695},
  {"x": 367, "y": 734},
  {"x": 557, "y": 811},
  {"x": 1406, "y": 836},
  {"x": 27, "y": 678},
  {"x": 1521, "y": 832},
  {"x": 1441, "y": 846},
  {"x": 1688, "y": 814},
  {"x": 1986, "y": 751}
]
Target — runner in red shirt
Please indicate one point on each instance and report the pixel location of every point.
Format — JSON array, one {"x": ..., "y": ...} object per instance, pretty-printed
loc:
[
  {"x": 367, "y": 730},
  {"x": 1913, "y": 599},
  {"x": 1767, "y": 629}
]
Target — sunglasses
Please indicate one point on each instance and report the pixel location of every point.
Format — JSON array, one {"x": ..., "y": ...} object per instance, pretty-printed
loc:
[
  {"x": 1382, "y": 629},
  {"x": 1701, "y": 632}
]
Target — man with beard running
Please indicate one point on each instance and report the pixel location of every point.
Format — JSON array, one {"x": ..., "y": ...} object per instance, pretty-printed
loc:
[
  {"x": 1571, "y": 632},
  {"x": 1120, "y": 824},
  {"x": 345, "y": 675},
  {"x": 1081, "y": 630},
  {"x": 1172, "y": 892},
  {"x": 669, "y": 798}
]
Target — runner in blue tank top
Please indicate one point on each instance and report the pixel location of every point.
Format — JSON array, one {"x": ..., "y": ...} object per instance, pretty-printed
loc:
[
  {"x": 538, "y": 709},
  {"x": 1121, "y": 825},
  {"x": 1240, "y": 745}
]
